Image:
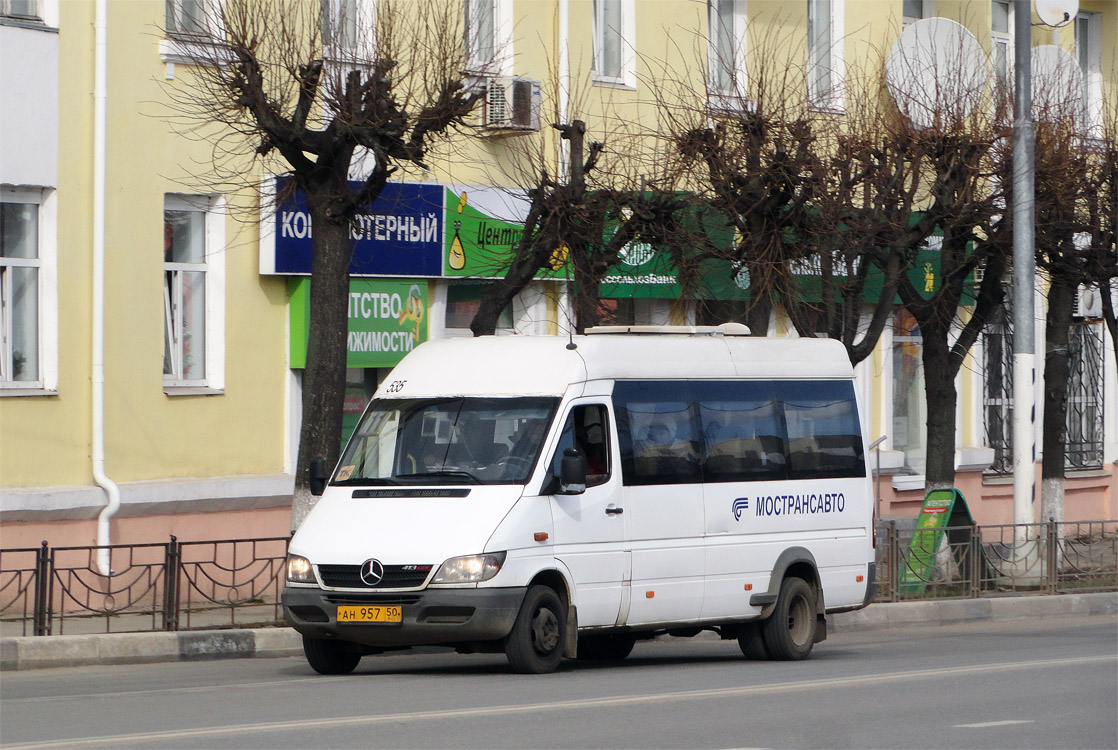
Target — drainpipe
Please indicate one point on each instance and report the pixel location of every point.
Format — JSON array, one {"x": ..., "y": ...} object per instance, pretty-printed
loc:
[
  {"x": 99, "y": 476},
  {"x": 564, "y": 84}
]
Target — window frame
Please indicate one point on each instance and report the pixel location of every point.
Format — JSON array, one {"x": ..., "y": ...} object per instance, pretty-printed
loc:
[
  {"x": 626, "y": 38},
  {"x": 46, "y": 293},
  {"x": 1091, "y": 68},
  {"x": 832, "y": 97},
  {"x": 209, "y": 26},
  {"x": 36, "y": 17},
  {"x": 737, "y": 90},
  {"x": 213, "y": 266},
  {"x": 1002, "y": 40}
]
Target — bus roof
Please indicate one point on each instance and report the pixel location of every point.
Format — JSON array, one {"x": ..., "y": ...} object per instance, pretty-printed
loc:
[{"x": 547, "y": 365}]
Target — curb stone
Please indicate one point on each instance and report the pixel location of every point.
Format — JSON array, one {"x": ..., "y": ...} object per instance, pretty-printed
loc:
[{"x": 29, "y": 652}]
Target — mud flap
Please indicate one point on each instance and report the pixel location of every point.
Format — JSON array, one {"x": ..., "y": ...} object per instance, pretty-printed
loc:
[{"x": 570, "y": 646}]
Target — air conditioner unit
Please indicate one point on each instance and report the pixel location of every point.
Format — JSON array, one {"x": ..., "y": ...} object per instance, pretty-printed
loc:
[
  {"x": 512, "y": 105},
  {"x": 1088, "y": 302}
]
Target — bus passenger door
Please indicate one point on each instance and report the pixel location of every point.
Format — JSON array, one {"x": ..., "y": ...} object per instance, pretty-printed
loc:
[{"x": 590, "y": 527}]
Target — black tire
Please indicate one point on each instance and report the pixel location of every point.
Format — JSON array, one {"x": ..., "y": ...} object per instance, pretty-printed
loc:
[
  {"x": 605, "y": 647},
  {"x": 751, "y": 640},
  {"x": 790, "y": 631},
  {"x": 535, "y": 645},
  {"x": 330, "y": 657}
]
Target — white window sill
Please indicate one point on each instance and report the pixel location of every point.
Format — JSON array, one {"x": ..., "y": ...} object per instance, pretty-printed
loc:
[
  {"x": 192, "y": 52},
  {"x": 22, "y": 392},
  {"x": 903, "y": 482},
  {"x": 608, "y": 82},
  {"x": 192, "y": 390},
  {"x": 27, "y": 23},
  {"x": 730, "y": 104}
]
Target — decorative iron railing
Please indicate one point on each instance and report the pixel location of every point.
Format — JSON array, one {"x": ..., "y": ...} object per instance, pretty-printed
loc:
[
  {"x": 237, "y": 582},
  {"x": 164, "y": 586}
]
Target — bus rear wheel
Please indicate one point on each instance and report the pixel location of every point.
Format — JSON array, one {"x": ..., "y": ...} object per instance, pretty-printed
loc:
[{"x": 789, "y": 632}]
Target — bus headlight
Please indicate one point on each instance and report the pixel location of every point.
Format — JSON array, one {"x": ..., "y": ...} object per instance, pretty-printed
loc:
[
  {"x": 299, "y": 570},
  {"x": 470, "y": 569}
]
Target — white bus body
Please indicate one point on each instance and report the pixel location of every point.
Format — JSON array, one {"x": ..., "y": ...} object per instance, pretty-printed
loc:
[{"x": 551, "y": 497}]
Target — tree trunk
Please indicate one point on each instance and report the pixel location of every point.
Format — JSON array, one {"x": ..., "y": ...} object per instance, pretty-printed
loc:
[
  {"x": 939, "y": 389},
  {"x": 324, "y": 376},
  {"x": 1057, "y": 366}
]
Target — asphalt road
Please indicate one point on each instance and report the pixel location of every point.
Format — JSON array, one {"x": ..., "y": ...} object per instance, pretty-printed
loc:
[{"x": 1048, "y": 684}]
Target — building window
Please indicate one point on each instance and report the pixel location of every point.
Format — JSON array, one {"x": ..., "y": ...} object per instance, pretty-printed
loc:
[
  {"x": 481, "y": 35},
  {"x": 824, "y": 80},
  {"x": 339, "y": 25},
  {"x": 997, "y": 398},
  {"x": 193, "y": 291},
  {"x": 1084, "y": 446},
  {"x": 910, "y": 413},
  {"x": 917, "y": 10},
  {"x": 1087, "y": 52},
  {"x": 727, "y": 46},
  {"x": 462, "y": 303},
  {"x": 189, "y": 17},
  {"x": 613, "y": 42},
  {"x": 20, "y": 278},
  {"x": 1001, "y": 42},
  {"x": 24, "y": 10}
]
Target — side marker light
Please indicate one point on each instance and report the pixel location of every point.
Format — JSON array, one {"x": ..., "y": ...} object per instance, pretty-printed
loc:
[{"x": 540, "y": 536}]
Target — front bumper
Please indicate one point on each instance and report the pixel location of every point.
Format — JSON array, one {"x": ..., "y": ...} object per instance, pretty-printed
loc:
[{"x": 430, "y": 617}]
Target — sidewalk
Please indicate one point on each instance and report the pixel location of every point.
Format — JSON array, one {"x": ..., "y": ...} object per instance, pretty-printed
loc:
[{"x": 136, "y": 648}]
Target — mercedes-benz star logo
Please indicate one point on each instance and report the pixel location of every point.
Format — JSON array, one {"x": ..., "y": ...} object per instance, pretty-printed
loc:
[{"x": 372, "y": 572}]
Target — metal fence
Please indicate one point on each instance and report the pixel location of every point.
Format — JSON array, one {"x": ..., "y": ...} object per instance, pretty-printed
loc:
[
  {"x": 236, "y": 583},
  {"x": 165, "y": 586},
  {"x": 986, "y": 561}
]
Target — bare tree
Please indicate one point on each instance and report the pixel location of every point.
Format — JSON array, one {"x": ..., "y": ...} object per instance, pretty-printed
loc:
[
  {"x": 320, "y": 107},
  {"x": 582, "y": 221}
]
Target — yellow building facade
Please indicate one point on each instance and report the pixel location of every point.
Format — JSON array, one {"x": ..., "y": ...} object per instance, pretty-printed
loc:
[{"x": 200, "y": 362}]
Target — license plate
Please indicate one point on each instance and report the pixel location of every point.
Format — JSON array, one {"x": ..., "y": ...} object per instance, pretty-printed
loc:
[{"x": 377, "y": 613}]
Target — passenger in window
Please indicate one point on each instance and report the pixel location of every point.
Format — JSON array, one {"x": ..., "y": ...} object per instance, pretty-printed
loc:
[
  {"x": 590, "y": 441},
  {"x": 656, "y": 438}
]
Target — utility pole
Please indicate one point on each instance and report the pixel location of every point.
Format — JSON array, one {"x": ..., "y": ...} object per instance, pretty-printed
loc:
[{"x": 1024, "y": 275}]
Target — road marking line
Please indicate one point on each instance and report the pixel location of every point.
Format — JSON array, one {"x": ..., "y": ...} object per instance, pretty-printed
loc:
[
  {"x": 585, "y": 703},
  {"x": 985, "y": 724}
]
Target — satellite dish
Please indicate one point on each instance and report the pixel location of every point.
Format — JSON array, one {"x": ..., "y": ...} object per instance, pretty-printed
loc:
[
  {"x": 1056, "y": 12},
  {"x": 937, "y": 72},
  {"x": 1057, "y": 83}
]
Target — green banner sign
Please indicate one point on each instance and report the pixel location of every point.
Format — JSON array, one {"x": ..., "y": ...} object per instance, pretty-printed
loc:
[
  {"x": 387, "y": 319},
  {"x": 942, "y": 509},
  {"x": 483, "y": 230}
]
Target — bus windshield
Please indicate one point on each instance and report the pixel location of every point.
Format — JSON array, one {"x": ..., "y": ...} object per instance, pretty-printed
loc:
[{"x": 460, "y": 440}]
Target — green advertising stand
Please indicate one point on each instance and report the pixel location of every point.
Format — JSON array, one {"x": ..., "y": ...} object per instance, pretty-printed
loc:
[{"x": 945, "y": 513}]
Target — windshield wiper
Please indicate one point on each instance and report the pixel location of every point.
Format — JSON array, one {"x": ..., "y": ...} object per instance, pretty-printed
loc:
[{"x": 441, "y": 473}]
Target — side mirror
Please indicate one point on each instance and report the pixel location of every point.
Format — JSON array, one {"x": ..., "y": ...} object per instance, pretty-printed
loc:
[
  {"x": 318, "y": 475},
  {"x": 572, "y": 473}
]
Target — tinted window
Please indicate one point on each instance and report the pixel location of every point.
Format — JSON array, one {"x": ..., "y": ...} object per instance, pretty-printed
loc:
[
  {"x": 824, "y": 438},
  {"x": 743, "y": 431},
  {"x": 674, "y": 432},
  {"x": 659, "y": 434}
]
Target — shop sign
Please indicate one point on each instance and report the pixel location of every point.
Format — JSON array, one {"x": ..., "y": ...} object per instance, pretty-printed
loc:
[
  {"x": 387, "y": 319},
  {"x": 401, "y": 233}
]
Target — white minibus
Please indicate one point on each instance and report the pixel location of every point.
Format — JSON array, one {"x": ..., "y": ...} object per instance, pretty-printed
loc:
[{"x": 552, "y": 497}]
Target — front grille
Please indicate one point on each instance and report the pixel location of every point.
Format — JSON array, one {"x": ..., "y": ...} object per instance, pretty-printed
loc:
[{"x": 395, "y": 576}]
